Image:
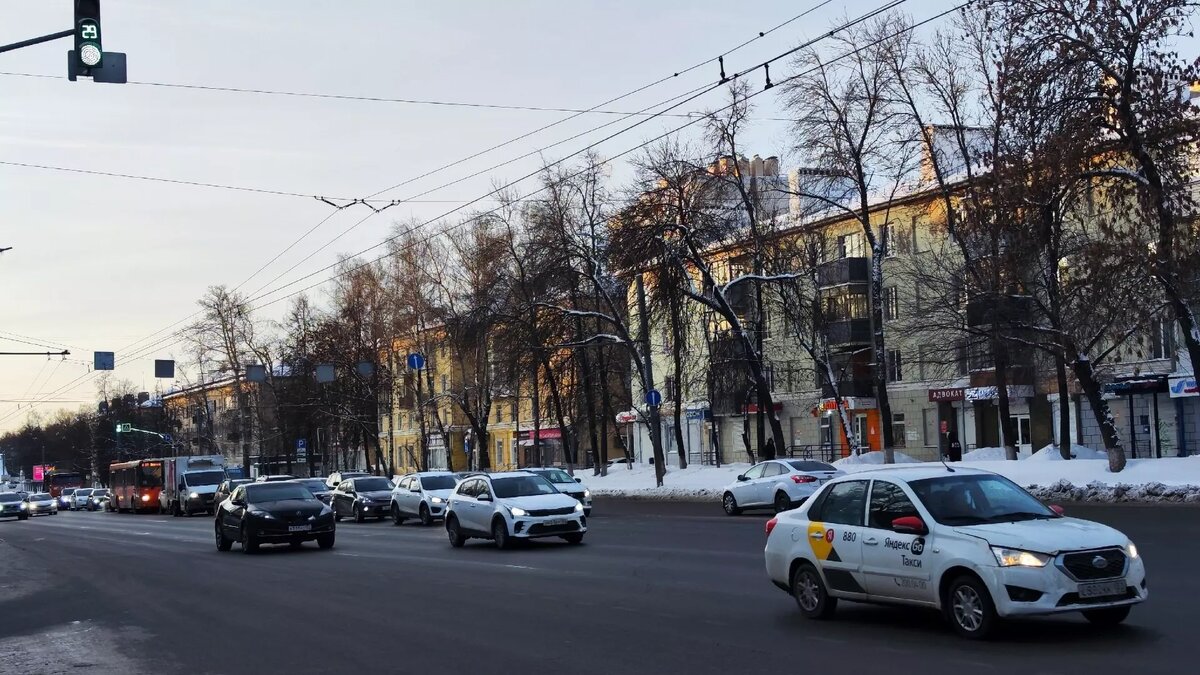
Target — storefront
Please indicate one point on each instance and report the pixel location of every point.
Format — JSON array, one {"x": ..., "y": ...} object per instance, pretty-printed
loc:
[
  {"x": 863, "y": 415},
  {"x": 1185, "y": 398},
  {"x": 952, "y": 418}
]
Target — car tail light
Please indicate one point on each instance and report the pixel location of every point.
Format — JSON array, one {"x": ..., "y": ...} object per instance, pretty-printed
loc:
[
  {"x": 771, "y": 525},
  {"x": 802, "y": 478}
]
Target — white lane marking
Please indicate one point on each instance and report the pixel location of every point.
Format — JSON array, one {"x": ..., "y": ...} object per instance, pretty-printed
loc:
[{"x": 521, "y": 567}]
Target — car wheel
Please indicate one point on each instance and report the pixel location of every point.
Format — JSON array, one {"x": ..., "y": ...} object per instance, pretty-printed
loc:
[
  {"x": 223, "y": 544},
  {"x": 573, "y": 538},
  {"x": 500, "y": 534},
  {"x": 337, "y": 515},
  {"x": 454, "y": 533},
  {"x": 730, "y": 505},
  {"x": 426, "y": 517},
  {"x": 325, "y": 541},
  {"x": 782, "y": 502},
  {"x": 1109, "y": 616},
  {"x": 249, "y": 541},
  {"x": 358, "y": 514},
  {"x": 969, "y": 607},
  {"x": 396, "y": 517},
  {"x": 810, "y": 593},
  {"x": 175, "y": 510}
]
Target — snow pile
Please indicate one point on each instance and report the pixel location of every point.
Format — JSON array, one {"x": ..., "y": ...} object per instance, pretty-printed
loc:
[
  {"x": 984, "y": 455},
  {"x": 873, "y": 458},
  {"x": 1051, "y": 453},
  {"x": 1065, "y": 491},
  {"x": 697, "y": 482}
]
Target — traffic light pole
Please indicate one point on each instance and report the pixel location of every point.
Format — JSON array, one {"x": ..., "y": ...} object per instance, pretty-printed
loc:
[{"x": 38, "y": 40}]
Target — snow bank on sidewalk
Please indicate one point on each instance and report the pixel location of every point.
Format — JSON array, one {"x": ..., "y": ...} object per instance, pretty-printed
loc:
[
  {"x": 1143, "y": 480},
  {"x": 873, "y": 458},
  {"x": 1051, "y": 453}
]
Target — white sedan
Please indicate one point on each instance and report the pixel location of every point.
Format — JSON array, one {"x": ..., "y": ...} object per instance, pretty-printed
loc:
[
  {"x": 780, "y": 484},
  {"x": 968, "y": 542}
]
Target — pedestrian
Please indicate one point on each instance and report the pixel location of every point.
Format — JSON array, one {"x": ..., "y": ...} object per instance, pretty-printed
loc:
[
  {"x": 769, "y": 450},
  {"x": 955, "y": 449}
]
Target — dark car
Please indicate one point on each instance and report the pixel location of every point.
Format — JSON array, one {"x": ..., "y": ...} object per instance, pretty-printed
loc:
[
  {"x": 363, "y": 497},
  {"x": 316, "y": 486},
  {"x": 13, "y": 505},
  {"x": 226, "y": 487},
  {"x": 275, "y": 478},
  {"x": 272, "y": 513}
]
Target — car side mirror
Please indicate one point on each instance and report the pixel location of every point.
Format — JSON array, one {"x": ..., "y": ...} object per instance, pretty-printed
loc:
[
  {"x": 578, "y": 479},
  {"x": 1057, "y": 509},
  {"x": 909, "y": 525},
  {"x": 742, "y": 478},
  {"x": 237, "y": 502},
  {"x": 484, "y": 498}
]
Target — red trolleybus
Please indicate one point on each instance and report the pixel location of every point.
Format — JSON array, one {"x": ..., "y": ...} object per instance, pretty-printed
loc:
[
  {"x": 55, "y": 481},
  {"x": 136, "y": 485}
]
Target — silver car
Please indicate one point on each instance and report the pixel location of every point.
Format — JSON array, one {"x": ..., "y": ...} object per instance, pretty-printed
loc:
[
  {"x": 79, "y": 499},
  {"x": 566, "y": 485},
  {"x": 779, "y": 484},
  {"x": 42, "y": 504},
  {"x": 422, "y": 495}
]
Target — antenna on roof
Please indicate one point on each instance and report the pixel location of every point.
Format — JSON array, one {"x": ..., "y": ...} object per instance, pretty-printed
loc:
[{"x": 942, "y": 458}]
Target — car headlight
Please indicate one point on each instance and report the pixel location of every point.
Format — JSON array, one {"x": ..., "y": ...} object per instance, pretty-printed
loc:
[
  {"x": 437, "y": 500},
  {"x": 518, "y": 511},
  {"x": 266, "y": 515},
  {"x": 25, "y": 506},
  {"x": 364, "y": 500},
  {"x": 145, "y": 498},
  {"x": 193, "y": 495},
  {"x": 1014, "y": 557},
  {"x": 578, "y": 507},
  {"x": 587, "y": 494},
  {"x": 1131, "y": 550}
]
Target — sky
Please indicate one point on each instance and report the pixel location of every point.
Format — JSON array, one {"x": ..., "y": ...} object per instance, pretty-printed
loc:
[{"x": 103, "y": 263}]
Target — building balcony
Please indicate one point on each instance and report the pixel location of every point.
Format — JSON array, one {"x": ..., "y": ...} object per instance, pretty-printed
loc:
[
  {"x": 859, "y": 387},
  {"x": 844, "y": 335},
  {"x": 994, "y": 310},
  {"x": 844, "y": 271}
]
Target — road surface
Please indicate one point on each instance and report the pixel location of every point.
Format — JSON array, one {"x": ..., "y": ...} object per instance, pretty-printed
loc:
[{"x": 656, "y": 588}]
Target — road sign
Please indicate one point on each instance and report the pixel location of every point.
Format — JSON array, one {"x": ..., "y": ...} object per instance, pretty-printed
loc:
[
  {"x": 164, "y": 368},
  {"x": 301, "y": 447},
  {"x": 256, "y": 372},
  {"x": 416, "y": 361},
  {"x": 653, "y": 398},
  {"x": 326, "y": 372},
  {"x": 104, "y": 361},
  {"x": 365, "y": 368},
  {"x": 124, "y": 428}
]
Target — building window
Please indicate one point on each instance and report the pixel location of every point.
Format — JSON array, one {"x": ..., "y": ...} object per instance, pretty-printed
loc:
[
  {"x": 891, "y": 303},
  {"x": 498, "y": 460},
  {"x": 1162, "y": 338},
  {"x": 669, "y": 389},
  {"x": 769, "y": 375},
  {"x": 445, "y": 383},
  {"x": 895, "y": 366},
  {"x": 852, "y": 245},
  {"x": 888, "y": 240},
  {"x": 898, "y": 430},
  {"x": 512, "y": 412}
]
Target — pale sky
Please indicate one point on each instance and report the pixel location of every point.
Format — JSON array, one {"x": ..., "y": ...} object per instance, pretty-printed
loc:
[{"x": 99, "y": 263}]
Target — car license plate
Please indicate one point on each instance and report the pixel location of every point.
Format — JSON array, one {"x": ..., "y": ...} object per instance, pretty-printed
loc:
[
  {"x": 299, "y": 528},
  {"x": 1102, "y": 589},
  {"x": 556, "y": 521}
]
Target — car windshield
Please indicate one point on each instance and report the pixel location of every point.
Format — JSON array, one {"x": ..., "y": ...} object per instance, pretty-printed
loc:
[
  {"x": 315, "y": 485},
  {"x": 67, "y": 492},
  {"x": 438, "y": 482},
  {"x": 40, "y": 497},
  {"x": 198, "y": 478},
  {"x": 10, "y": 497},
  {"x": 555, "y": 475},
  {"x": 803, "y": 465},
  {"x": 274, "y": 492},
  {"x": 353, "y": 474},
  {"x": 372, "y": 484},
  {"x": 977, "y": 499},
  {"x": 522, "y": 486},
  {"x": 83, "y": 493},
  {"x": 100, "y": 493}
]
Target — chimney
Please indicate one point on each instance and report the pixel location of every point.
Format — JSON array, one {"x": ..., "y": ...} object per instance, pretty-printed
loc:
[{"x": 771, "y": 166}]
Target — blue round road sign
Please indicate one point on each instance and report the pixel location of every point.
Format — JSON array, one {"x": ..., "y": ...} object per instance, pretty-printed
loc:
[
  {"x": 653, "y": 397},
  {"x": 416, "y": 361}
]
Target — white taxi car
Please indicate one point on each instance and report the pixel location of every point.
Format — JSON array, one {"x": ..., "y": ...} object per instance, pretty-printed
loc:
[{"x": 968, "y": 542}]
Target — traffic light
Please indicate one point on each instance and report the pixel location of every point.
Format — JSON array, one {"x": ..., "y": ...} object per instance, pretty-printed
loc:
[{"x": 88, "y": 47}]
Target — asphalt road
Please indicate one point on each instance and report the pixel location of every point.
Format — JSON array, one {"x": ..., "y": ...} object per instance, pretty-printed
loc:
[{"x": 656, "y": 588}]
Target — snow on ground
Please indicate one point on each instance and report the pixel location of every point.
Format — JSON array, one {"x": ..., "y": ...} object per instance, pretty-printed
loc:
[
  {"x": 873, "y": 458},
  {"x": 1171, "y": 479},
  {"x": 1052, "y": 453}
]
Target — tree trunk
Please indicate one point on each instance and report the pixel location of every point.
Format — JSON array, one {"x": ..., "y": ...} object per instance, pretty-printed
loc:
[
  {"x": 556, "y": 400},
  {"x": 1064, "y": 407},
  {"x": 677, "y": 348},
  {"x": 585, "y": 371},
  {"x": 648, "y": 383},
  {"x": 1104, "y": 418},
  {"x": 606, "y": 416},
  {"x": 879, "y": 347}
]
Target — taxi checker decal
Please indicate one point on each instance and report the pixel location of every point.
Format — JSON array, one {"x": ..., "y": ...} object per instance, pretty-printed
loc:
[{"x": 822, "y": 545}]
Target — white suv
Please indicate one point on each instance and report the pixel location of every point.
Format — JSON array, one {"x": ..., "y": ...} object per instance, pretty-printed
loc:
[
  {"x": 422, "y": 495},
  {"x": 512, "y": 505},
  {"x": 968, "y": 542}
]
